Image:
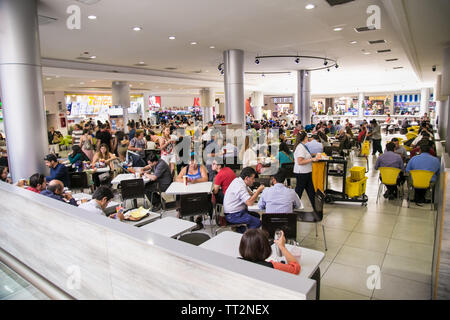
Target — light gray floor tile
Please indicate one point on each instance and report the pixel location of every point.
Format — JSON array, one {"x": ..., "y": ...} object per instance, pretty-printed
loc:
[
  {"x": 318, "y": 244},
  {"x": 340, "y": 222},
  {"x": 410, "y": 249},
  {"x": 395, "y": 288},
  {"x": 382, "y": 230},
  {"x": 407, "y": 268},
  {"x": 330, "y": 293},
  {"x": 367, "y": 241},
  {"x": 347, "y": 278},
  {"x": 421, "y": 234},
  {"x": 332, "y": 235},
  {"x": 357, "y": 257}
]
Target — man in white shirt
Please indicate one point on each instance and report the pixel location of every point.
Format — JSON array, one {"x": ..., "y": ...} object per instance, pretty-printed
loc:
[
  {"x": 279, "y": 198},
  {"x": 239, "y": 197},
  {"x": 100, "y": 199}
]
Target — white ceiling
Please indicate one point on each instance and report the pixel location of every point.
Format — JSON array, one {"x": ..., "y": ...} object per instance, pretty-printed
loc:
[{"x": 259, "y": 28}]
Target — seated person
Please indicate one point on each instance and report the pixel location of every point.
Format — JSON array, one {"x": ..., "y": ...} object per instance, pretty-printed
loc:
[
  {"x": 284, "y": 155},
  {"x": 400, "y": 150},
  {"x": 151, "y": 145},
  {"x": 58, "y": 171},
  {"x": 417, "y": 148},
  {"x": 158, "y": 171},
  {"x": 4, "y": 175},
  {"x": 102, "y": 159},
  {"x": 391, "y": 159},
  {"x": 194, "y": 173},
  {"x": 278, "y": 198},
  {"x": 100, "y": 199},
  {"x": 55, "y": 190},
  {"x": 239, "y": 197},
  {"x": 77, "y": 155},
  {"x": 423, "y": 161},
  {"x": 314, "y": 145},
  {"x": 138, "y": 143},
  {"x": 255, "y": 247},
  {"x": 222, "y": 180},
  {"x": 38, "y": 183}
]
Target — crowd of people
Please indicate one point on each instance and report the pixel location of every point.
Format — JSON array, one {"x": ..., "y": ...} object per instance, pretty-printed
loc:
[{"x": 235, "y": 192}]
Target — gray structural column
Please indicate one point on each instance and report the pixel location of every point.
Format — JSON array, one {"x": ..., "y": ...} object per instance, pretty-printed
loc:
[
  {"x": 257, "y": 104},
  {"x": 207, "y": 102},
  {"x": 121, "y": 97},
  {"x": 303, "y": 96},
  {"x": 424, "y": 101},
  {"x": 22, "y": 91},
  {"x": 361, "y": 105},
  {"x": 145, "y": 111},
  {"x": 234, "y": 86}
]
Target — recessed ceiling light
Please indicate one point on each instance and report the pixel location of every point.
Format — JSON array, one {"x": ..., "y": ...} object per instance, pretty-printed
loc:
[
  {"x": 193, "y": 42},
  {"x": 93, "y": 57},
  {"x": 338, "y": 29},
  {"x": 57, "y": 76},
  {"x": 81, "y": 82},
  {"x": 131, "y": 85},
  {"x": 141, "y": 62},
  {"x": 211, "y": 47},
  {"x": 206, "y": 71},
  {"x": 353, "y": 42},
  {"x": 310, "y": 6},
  {"x": 171, "y": 38},
  {"x": 137, "y": 28},
  {"x": 92, "y": 17},
  {"x": 49, "y": 78},
  {"x": 366, "y": 52}
]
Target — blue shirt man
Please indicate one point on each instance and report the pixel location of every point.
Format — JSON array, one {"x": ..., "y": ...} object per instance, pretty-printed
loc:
[
  {"x": 424, "y": 161},
  {"x": 314, "y": 146},
  {"x": 57, "y": 170},
  {"x": 279, "y": 199}
]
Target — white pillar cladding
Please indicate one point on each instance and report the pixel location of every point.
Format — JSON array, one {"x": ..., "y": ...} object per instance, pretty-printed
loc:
[
  {"x": 121, "y": 97},
  {"x": 234, "y": 86},
  {"x": 22, "y": 92},
  {"x": 257, "y": 103},
  {"x": 424, "y": 101},
  {"x": 445, "y": 87},
  {"x": 207, "y": 102},
  {"x": 361, "y": 105},
  {"x": 303, "y": 96},
  {"x": 145, "y": 111}
]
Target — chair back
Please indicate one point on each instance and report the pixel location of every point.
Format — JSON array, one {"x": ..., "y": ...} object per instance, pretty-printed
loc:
[
  {"x": 319, "y": 200},
  {"x": 78, "y": 180},
  {"x": 389, "y": 175},
  {"x": 288, "y": 169},
  {"x": 195, "y": 238},
  {"x": 284, "y": 221},
  {"x": 421, "y": 178},
  {"x": 132, "y": 189},
  {"x": 195, "y": 204},
  {"x": 262, "y": 180}
]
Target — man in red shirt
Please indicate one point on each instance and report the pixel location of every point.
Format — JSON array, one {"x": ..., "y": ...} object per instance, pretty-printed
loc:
[
  {"x": 222, "y": 181},
  {"x": 37, "y": 183}
]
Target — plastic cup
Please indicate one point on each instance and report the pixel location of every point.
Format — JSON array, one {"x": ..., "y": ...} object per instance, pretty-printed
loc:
[
  {"x": 185, "y": 180},
  {"x": 296, "y": 252}
]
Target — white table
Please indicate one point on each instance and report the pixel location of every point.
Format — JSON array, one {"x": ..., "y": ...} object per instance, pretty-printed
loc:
[
  {"x": 126, "y": 176},
  {"x": 150, "y": 218},
  {"x": 227, "y": 243},
  {"x": 179, "y": 188},
  {"x": 170, "y": 227}
]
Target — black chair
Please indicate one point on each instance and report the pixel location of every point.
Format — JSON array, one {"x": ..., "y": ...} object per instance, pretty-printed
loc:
[
  {"x": 163, "y": 201},
  {"x": 132, "y": 189},
  {"x": 284, "y": 221},
  {"x": 78, "y": 180},
  {"x": 289, "y": 171},
  {"x": 195, "y": 204},
  {"x": 316, "y": 216},
  {"x": 195, "y": 238},
  {"x": 262, "y": 180}
]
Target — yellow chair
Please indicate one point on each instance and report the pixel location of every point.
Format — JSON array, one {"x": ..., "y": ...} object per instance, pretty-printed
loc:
[
  {"x": 411, "y": 135},
  {"x": 389, "y": 177},
  {"x": 400, "y": 140},
  {"x": 421, "y": 179}
]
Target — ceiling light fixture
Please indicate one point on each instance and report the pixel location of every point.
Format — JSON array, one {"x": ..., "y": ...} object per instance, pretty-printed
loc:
[
  {"x": 93, "y": 57},
  {"x": 172, "y": 38},
  {"x": 297, "y": 60},
  {"x": 49, "y": 78},
  {"x": 338, "y": 29},
  {"x": 257, "y": 61},
  {"x": 92, "y": 17},
  {"x": 137, "y": 28},
  {"x": 212, "y": 47},
  {"x": 353, "y": 42},
  {"x": 310, "y": 6},
  {"x": 366, "y": 53},
  {"x": 325, "y": 62},
  {"x": 193, "y": 42}
]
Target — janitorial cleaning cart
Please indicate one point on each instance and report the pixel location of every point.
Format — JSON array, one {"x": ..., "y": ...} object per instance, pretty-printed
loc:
[{"x": 353, "y": 187}]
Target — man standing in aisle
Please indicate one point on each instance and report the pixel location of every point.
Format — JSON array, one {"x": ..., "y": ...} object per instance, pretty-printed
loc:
[{"x": 375, "y": 134}]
